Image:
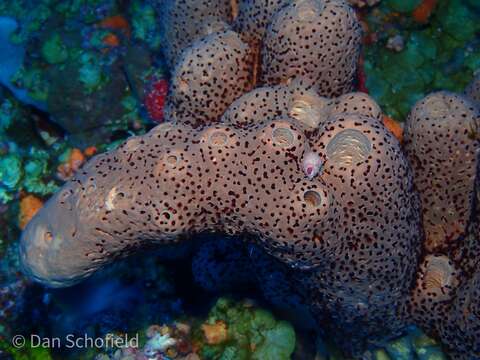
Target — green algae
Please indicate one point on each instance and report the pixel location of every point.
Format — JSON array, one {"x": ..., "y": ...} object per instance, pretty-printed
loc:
[
  {"x": 26, "y": 352},
  {"x": 401, "y": 349},
  {"x": 90, "y": 71},
  {"x": 29, "y": 172},
  {"x": 439, "y": 56},
  {"x": 145, "y": 24},
  {"x": 403, "y": 6},
  {"x": 11, "y": 171},
  {"x": 54, "y": 50},
  {"x": 36, "y": 171},
  {"x": 32, "y": 79},
  {"x": 253, "y": 333}
]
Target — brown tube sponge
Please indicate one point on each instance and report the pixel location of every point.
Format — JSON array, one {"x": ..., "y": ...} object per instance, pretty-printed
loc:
[
  {"x": 458, "y": 329},
  {"x": 177, "y": 180},
  {"x": 361, "y": 293},
  {"x": 297, "y": 102},
  {"x": 254, "y": 16},
  {"x": 441, "y": 141},
  {"x": 185, "y": 21},
  {"x": 436, "y": 284},
  {"x": 349, "y": 234},
  {"x": 209, "y": 76},
  {"x": 466, "y": 251},
  {"x": 267, "y": 103},
  {"x": 316, "y": 40}
]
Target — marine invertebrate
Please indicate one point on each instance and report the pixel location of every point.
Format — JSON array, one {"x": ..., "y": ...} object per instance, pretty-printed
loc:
[
  {"x": 110, "y": 196},
  {"x": 186, "y": 21},
  {"x": 442, "y": 143},
  {"x": 437, "y": 280},
  {"x": 444, "y": 149},
  {"x": 324, "y": 62},
  {"x": 423, "y": 11},
  {"x": 241, "y": 159},
  {"x": 207, "y": 54},
  {"x": 29, "y": 206},
  {"x": 232, "y": 162},
  {"x": 208, "y": 77},
  {"x": 155, "y": 99},
  {"x": 312, "y": 164}
]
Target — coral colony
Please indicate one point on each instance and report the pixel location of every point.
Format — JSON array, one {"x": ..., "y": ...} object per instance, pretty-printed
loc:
[{"x": 259, "y": 158}]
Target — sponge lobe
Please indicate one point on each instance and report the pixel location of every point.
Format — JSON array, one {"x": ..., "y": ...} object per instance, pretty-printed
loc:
[
  {"x": 209, "y": 76},
  {"x": 442, "y": 142},
  {"x": 185, "y": 21},
  {"x": 316, "y": 40}
]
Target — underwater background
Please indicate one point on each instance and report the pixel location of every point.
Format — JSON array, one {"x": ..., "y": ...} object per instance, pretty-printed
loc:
[{"x": 77, "y": 78}]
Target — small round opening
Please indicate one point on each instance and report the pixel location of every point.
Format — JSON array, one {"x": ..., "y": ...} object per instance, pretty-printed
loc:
[
  {"x": 218, "y": 138},
  {"x": 436, "y": 106},
  {"x": 307, "y": 12},
  {"x": 48, "y": 236},
  {"x": 349, "y": 147},
  {"x": 92, "y": 186},
  {"x": 172, "y": 160},
  {"x": 65, "y": 199},
  {"x": 183, "y": 85},
  {"x": 312, "y": 198},
  {"x": 166, "y": 215},
  {"x": 438, "y": 272},
  {"x": 113, "y": 198},
  {"x": 65, "y": 195},
  {"x": 305, "y": 112},
  {"x": 283, "y": 137},
  {"x": 132, "y": 144}
]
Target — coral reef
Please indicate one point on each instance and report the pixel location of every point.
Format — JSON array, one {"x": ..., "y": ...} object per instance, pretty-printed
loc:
[
  {"x": 432, "y": 38},
  {"x": 243, "y": 332},
  {"x": 251, "y": 179},
  {"x": 87, "y": 43},
  {"x": 334, "y": 220}
]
